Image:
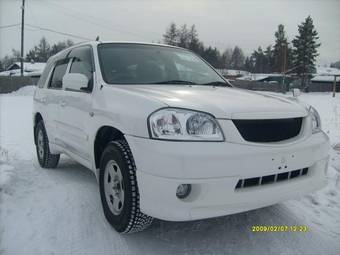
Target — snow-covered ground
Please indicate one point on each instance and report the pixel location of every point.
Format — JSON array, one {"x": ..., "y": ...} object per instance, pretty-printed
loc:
[{"x": 59, "y": 211}]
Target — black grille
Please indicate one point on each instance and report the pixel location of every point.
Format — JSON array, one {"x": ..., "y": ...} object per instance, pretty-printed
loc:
[
  {"x": 262, "y": 180},
  {"x": 273, "y": 130}
]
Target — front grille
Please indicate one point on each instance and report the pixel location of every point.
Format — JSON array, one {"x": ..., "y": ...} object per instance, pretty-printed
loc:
[
  {"x": 268, "y": 179},
  {"x": 272, "y": 130}
]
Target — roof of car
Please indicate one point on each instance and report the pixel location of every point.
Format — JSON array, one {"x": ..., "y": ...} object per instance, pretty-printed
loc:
[
  {"x": 130, "y": 42},
  {"x": 94, "y": 43}
]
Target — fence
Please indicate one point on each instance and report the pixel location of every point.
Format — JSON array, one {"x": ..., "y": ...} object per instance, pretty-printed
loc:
[
  {"x": 260, "y": 86},
  {"x": 323, "y": 87},
  {"x": 12, "y": 83},
  {"x": 277, "y": 87}
]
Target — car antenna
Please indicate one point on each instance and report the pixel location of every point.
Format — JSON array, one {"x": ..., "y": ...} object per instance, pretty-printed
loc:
[{"x": 97, "y": 38}]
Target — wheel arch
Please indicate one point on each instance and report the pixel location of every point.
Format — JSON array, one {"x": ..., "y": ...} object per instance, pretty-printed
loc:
[{"x": 104, "y": 135}]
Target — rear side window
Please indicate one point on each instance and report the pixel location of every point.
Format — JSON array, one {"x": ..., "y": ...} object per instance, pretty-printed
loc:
[
  {"x": 82, "y": 62},
  {"x": 56, "y": 81}
]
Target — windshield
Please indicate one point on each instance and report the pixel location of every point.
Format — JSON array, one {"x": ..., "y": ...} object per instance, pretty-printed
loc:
[{"x": 153, "y": 64}]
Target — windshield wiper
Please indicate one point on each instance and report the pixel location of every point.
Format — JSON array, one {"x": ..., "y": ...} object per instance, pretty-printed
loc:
[
  {"x": 175, "y": 82},
  {"x": 217, "y": 83}
]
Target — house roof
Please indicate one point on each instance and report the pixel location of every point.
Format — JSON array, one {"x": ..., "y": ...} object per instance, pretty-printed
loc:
[
  {"x": 232, "y": 72},
  {"x": 324, "y": 78},
  {"x": 326, "y": 74},
  {"x": 258, "y": 76},
  {"x": 16, "y": 72},
  {"x": 321, "y": 70},
  {"x": 28, "y": 66}
]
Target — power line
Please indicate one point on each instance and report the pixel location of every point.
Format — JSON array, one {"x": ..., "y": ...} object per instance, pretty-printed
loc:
[
  {"x": 30, "y": 13},
  {"x": 58, "y": 32},
  {"x": 80, "y": 17},
  {"x": 8, "y": 26}
]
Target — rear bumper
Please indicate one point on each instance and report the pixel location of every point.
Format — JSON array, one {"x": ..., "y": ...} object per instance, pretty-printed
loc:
[{"x": 214, "y": 169}]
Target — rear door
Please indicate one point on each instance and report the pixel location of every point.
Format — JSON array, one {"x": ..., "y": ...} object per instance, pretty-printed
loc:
[
  {"x": 76, "y": 106},
  {"x": 51, "y": 99}
]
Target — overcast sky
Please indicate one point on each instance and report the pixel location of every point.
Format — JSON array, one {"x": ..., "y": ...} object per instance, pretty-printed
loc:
[{"x": 219, "y": 23}]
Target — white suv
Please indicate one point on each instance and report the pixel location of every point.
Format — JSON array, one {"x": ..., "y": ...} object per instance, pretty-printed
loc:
[{"x": 168, "y": 137}]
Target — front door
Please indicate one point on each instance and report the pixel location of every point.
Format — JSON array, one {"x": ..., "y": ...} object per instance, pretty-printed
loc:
[{"x": 76, "y": 106}]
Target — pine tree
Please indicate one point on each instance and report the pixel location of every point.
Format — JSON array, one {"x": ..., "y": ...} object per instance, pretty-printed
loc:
[
  {"x": 248, "y": 64},
  {"x": 212, "y": 55},
  {"x": 43, "y": 50},
  {"x": 194, "y": 42},
  {"x": 259, "y": 61},
  {"x": 237, "y": 58},
  {"x": 171, "y": 35},
  {"x": 269, "y": 59},
  {"x": 226, "y": 58},
  {"x": 280, "y": 55},
  {"x": 305, "y": 50},
  {"x": 183, "y": 37}
]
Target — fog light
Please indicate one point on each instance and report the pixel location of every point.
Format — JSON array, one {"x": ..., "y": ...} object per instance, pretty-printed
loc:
[{"x": 183, "y": 190}]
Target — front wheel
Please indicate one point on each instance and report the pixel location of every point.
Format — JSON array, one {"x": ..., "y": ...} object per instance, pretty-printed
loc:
[{"x": 119, "y": 190}]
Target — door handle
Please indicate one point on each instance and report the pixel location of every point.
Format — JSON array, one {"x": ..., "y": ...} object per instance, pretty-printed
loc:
[
  {"x": 62, "y": 103},
  {"x": 43, "y": 100}
]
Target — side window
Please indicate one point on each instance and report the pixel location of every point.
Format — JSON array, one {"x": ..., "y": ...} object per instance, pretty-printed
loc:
[
  {"x": 56, "y": 81},
  {"x": 44, "y": 75},
  {"x": 82, "y": 62}
]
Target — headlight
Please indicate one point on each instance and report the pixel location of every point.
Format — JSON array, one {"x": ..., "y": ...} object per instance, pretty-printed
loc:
[
  {"x": 316, "y": 122},
  {"x": 181, "y": 124}
]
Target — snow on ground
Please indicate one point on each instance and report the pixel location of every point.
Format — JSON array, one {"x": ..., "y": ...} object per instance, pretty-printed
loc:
[{"x": 59, "y": 211}]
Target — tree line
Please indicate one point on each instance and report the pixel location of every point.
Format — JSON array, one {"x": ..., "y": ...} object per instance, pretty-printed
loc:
[
  {"x": 188, "y": 38},
  {"x": 297, "y": 56},
  {"x": 39, "y": 53}
]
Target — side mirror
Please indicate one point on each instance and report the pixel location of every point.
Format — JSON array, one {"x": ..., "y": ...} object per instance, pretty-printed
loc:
[
  {"x": 296, "y": 92},
  {"x": 75, "y": 81}
]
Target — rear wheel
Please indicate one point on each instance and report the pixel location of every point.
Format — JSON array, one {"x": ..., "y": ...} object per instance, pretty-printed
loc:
[
  {"x": 45, "y": 157},
  {"x": 119, "y": 190}
]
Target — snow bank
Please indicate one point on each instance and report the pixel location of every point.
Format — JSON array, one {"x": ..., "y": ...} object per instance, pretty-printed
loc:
[
  {"x": 44, "y": 211},
  {"x": 24, "y": 91}
]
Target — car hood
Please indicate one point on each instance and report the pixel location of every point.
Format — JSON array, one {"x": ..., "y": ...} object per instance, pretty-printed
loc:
[{"x": 223, "y": 102}]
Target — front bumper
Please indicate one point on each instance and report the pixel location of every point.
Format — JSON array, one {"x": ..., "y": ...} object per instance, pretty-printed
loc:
[{"x": 214, "y": 169}]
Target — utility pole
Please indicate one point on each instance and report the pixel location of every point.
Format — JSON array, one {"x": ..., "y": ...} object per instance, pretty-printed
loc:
[
  {"x": 22, "y": 37},
  {"x": 284, "y": 55},
  {"x": 334, "y": 84}
]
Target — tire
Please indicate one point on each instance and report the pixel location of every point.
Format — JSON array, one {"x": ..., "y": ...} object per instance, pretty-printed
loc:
[
  {"x": 45, "y": 157},
  {"x": 119, "y": 191}
]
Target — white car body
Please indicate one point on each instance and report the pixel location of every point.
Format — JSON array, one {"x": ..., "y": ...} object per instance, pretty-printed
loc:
[{"x": 73, "y": 120}]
